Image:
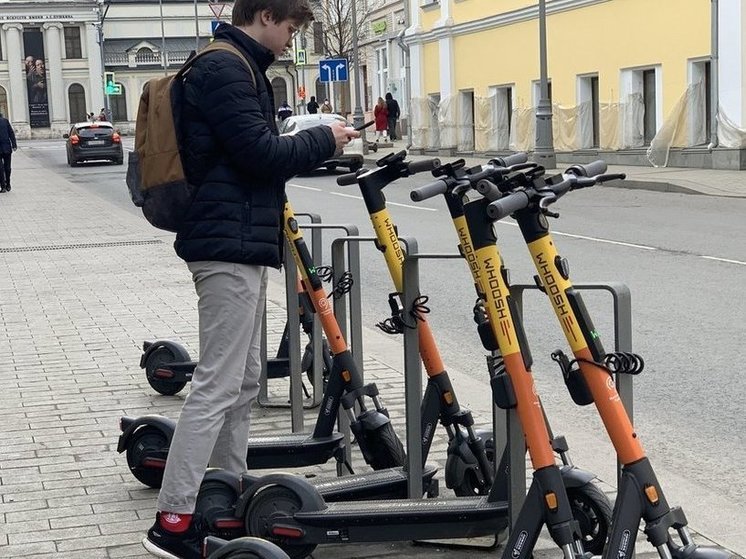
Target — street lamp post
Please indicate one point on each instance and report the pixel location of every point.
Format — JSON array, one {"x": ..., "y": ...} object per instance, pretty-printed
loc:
[
  {"x": 100, "y": 28},
  {"x": 163, "y": 39},
  {"x": 358, "y": 119},
  {"x": 544, "y": 149}
]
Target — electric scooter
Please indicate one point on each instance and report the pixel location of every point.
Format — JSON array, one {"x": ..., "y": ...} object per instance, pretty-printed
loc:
[
  {"x": 290, "y": 512},
  {"x": 527, "y": 197},
  {"x": 590, "y": 506},
  {"x": 169, "y": 368},
  {"x": 468, "y": 467}
]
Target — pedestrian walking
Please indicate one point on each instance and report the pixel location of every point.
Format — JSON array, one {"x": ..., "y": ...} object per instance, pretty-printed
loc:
[
  {"x": 380, "y": 114},
  {"x": 231, "y": 234},
  {"x": 7, "y": 146},
  {"x": 284, "y": 111},
  {"x": 326, "y": 107},
  {"x": 313, "y": 106},
  {"x": 393, "y": 114}
]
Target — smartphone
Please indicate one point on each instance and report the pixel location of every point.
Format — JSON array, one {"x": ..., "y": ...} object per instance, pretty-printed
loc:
[{"x": 364, "y": 126}]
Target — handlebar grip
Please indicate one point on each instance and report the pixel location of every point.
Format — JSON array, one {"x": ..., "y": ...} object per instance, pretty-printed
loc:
[
  {"x": 423, "y": 165},
  {"x": 347, "y": 179},
  {"x": 511, "y": 203},
  {"x": 428, "y": 190},
  {"x": 488, "y": 189},
  {"x": 589, "y": 170},
  {"x": 513, "y": 159}
]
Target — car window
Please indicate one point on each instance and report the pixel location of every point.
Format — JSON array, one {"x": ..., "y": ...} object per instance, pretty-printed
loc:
[{"x": 94, "y": 131}]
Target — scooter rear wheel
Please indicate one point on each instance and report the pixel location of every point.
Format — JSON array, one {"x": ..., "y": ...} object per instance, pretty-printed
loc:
[
  {"x": 159, "y": 357},
  {"x": 216, "y": 500},
  {"x": 146, "y": 442},
  {"x": 592, "y": 509},
  {"x": 270, "y": 503}
]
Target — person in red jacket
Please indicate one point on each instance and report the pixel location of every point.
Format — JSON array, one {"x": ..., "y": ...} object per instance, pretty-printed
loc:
[{"x": 381, "y": 115}]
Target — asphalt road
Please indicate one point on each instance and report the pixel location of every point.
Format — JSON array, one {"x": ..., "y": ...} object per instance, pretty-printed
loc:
[{"x": 683, "y": 258}]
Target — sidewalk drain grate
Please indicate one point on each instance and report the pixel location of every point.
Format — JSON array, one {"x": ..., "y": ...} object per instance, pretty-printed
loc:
[{"x": 81, "y": 245}]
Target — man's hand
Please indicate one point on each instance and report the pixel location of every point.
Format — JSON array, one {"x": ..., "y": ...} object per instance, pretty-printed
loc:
[{"x": 342, "y": 133}]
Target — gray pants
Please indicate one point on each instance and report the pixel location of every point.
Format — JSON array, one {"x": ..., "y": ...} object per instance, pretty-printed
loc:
[{"x": 214, "y": 423}]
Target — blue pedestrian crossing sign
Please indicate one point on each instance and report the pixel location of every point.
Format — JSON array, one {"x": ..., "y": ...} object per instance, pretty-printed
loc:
[{"x": 333, "y": 70}]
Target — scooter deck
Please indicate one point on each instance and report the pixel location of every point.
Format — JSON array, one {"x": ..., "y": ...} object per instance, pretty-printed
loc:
[
  {"x": 403, "y": 519},
  {"x": 380, "y": 484},
  {"x": 292, "y": 450}
]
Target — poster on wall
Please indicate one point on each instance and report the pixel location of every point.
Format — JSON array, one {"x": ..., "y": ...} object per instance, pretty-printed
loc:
[{"x": 36, "y": 78}]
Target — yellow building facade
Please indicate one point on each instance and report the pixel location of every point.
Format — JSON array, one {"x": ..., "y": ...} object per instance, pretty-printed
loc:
[{"x": 625, "y": 76}]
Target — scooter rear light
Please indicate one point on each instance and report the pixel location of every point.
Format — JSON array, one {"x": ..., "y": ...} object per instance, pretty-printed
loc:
[
  {"x": 163, "y": 373},
  {"x": 159, "y": 463},
  {"x": 228, "y": 523},
  {"x": 287, "y": 532}
]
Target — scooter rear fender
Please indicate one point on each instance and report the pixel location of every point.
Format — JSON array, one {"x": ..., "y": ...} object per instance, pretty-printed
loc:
[
  {"x": 179, "y": 351},
  {"x": 131, "y": 424},
  {"x": 310, "y": 498}
]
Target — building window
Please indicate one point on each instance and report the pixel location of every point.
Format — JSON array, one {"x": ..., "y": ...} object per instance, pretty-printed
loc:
[
  {"x": 119, "y": 105},
  {"x": 280, "y": 91},
  {"x": 649, "y": 95},
  {"x": 589, "y": 117},
  {"x": 4, "y": 103},
  {"x": 76, "y": 101},
  {"x": 382, "y": 70},
  {"x": 72, "y": 43},
  {"x": 318, "y": 37}
]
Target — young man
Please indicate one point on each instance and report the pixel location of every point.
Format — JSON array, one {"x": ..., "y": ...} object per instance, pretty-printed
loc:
[
  {"x": 392, "y": 107},
  {"x": 232, "y": 232},
  {"x": 7, "y": 147},
  {"x": 313, "y": 106}
]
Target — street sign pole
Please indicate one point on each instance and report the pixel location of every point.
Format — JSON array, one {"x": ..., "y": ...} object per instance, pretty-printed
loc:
[{"x": 357, "y": 117}]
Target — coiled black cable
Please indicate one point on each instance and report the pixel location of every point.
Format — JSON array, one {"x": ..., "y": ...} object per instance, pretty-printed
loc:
[
  {"x": 343, "y": 286},
  {"x": 396, "y": 323}
]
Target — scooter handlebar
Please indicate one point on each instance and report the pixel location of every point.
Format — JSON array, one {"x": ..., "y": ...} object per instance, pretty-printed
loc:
[
  {"x": 507, "y": 205},
  {"x": 423, "y": 165},
  {"x": 513, "y": 159},
  {"x": 589, "y": 170},
  {"x": 347, "y": 179},
  {"x": 428, "y": 190},
  {"x": 488, "y": 189}
]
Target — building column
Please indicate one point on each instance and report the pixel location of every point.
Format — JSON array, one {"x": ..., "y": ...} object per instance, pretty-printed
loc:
[
  {"x": 95, "y": 97},
  {"x": 52, "y": 38},
  {"x": 17, "y": 105}
]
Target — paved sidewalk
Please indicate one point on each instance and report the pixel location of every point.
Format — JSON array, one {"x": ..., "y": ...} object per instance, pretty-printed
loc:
[{"x": 82, "y": 283}]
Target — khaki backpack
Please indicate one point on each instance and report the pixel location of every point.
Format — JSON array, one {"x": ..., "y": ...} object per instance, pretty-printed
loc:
[{"x": 155, "y": 173}]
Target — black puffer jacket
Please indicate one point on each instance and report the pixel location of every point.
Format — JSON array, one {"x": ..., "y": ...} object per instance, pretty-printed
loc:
[{"x": 231, "y": 150}]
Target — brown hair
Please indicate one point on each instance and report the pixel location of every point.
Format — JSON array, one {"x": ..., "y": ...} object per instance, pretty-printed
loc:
[{"x": 298, "y": 11}]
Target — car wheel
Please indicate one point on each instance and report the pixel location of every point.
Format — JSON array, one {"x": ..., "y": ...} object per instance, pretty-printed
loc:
[{"x": 73, "y": 162}]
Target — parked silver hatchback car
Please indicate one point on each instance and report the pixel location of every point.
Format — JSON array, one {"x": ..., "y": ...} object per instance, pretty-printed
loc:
[{"x": 351, "y": 157}]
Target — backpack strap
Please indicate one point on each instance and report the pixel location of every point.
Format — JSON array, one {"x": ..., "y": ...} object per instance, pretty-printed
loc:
[{"x": 212, "y": 47}]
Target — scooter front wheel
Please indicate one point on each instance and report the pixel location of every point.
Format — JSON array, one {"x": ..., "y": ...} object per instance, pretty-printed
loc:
[
  {"x": 592, "y": 509},
  {"x": 160, "y": 357},
  {"x": 270, "y": 504},
  {"x": 385, "y": 448},
  {"x": 146, "y": 456}
]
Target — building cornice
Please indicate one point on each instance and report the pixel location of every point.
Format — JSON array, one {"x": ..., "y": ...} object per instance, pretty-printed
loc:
[{"x": 498, "y": 20}]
